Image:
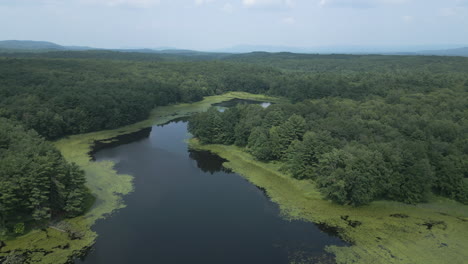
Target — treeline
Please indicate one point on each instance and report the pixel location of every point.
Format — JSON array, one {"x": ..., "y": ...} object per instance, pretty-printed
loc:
[
  {"x": 344, "y": 63},
  {"x": 360, "y": 85},
  {"x": 398, "y": 147},
  {"x": 129, "y": 55},
  {"x": 36, "y": 183}
]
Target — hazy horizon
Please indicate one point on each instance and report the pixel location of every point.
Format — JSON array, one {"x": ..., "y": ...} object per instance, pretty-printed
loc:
[{"x": 212, "y": 25}]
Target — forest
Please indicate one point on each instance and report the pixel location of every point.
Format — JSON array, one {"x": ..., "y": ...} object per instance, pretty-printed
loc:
[
  {"x": 362, "y": 127},
  {"x": 58, "y": 97}
]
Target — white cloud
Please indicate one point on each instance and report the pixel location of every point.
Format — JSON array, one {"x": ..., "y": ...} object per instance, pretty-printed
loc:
[
  {"x": 65, "y": 3},
  {"x": 359, "y": 3},
  {"x": 288, "y": 20},
  {"x": 131, "y": 3},
  {"x": 228, "y": 8},
  {"x": 447, "y": 12},
  {"x": 408, "y": 19},
  {"x": 457, "y": 11},
  {"x": 201, "y": 2},
  {"x": 255, "y": 3}
]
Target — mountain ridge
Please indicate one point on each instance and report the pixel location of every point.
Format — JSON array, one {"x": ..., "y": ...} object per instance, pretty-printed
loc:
[{"x": 11, "y": 46}]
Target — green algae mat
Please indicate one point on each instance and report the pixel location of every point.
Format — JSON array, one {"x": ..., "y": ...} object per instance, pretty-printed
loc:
[{"x": 61, "y": 241}]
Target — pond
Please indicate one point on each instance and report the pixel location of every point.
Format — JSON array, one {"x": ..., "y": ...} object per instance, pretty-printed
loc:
[
  {"x": 187, "y": 208},
  {"x": 233, "y": 102}
]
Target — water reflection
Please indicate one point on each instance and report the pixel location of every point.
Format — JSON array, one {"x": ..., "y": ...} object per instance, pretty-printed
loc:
[
  {"x": 208, "y": 162},
  {"x": 265, "y": 104},
  {"x": 119, "y": 140},
  {"x": 182, "y": 119},
  {"x": 233, "y": 102}
]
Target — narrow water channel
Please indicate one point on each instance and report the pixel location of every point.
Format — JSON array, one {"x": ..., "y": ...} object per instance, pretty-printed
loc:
[{"x": 186, "y": 208}]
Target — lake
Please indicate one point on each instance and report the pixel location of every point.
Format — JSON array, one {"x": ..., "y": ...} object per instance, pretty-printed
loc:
[{"x": 187, "y": 208}]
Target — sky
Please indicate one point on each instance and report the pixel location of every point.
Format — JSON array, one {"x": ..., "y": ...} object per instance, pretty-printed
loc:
[{"x": 218, "y": 24}]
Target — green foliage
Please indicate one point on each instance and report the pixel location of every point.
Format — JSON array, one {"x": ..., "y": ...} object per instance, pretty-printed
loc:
[
  {"x": 58, "y": 97},
  {"x": 260, "y": 144},
  {"x": 352, "y": 175},
  {"x": 451, "y": 171},
  {"x": 19, "y": 228},
  {"x": 36, "y": 183},
  {"x": 302, "y": 156}
]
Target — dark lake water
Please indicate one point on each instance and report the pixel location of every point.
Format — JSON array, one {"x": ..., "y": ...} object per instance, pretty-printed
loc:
[{"x": 186, "y": 208}]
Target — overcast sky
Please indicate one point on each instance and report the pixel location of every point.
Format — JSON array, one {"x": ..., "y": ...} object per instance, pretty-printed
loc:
[{"x": 213, "y": 24}]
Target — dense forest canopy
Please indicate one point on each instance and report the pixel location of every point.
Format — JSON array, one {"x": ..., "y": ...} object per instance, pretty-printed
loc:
[
  {"x": 362, "y": 127},
  {"x": 130, "y": 55},
  {"x": 36, "y": 183},
  {"x": 59, "y": 97},
  {"x": 353, "y": 63}
]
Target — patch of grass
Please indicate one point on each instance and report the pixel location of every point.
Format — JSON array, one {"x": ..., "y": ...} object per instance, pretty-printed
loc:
[
  {"x": 377, "y": 236},
  {"x": 61, "y": 241}
]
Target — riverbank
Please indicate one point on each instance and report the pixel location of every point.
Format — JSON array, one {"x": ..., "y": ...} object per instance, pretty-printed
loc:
[
  {"x": 382, "y": 232},
  {"x": 73, "y": 237}
]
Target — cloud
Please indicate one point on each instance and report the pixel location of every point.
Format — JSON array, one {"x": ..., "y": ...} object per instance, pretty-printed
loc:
[
  {"x": 266, "y": 3},
  {"x": 408, "y": 19},
  {"x": 228, "y": 8},
  {"x": 130, "y": 3},
  {"x": 359, "y": 3},
  {"x": 447, "y": 12},
  {"x": 457, "y": 11},
  {"x": 202, "y": 2},
  {"x": 288, "y": 21}
]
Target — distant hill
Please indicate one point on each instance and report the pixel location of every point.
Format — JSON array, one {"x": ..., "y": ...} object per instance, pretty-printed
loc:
[
  {"x": 29, "y": 45},
  {"x": 132, "y": 55},
  {"x": 24, "y": 48},
  {"x": 447, "y": 52},
  {"x": 168, "y": 53},
  {"x": 35, "y": 46},
  {"x": 264, "y": 48},
  {"x": 343, "y": 49}
]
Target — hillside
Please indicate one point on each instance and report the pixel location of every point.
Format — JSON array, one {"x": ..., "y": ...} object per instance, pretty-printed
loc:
[
  {"x": 448, "y": 52},
  {"x": 34, "y": 46},
  {"x": 29, "y": 45}
]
